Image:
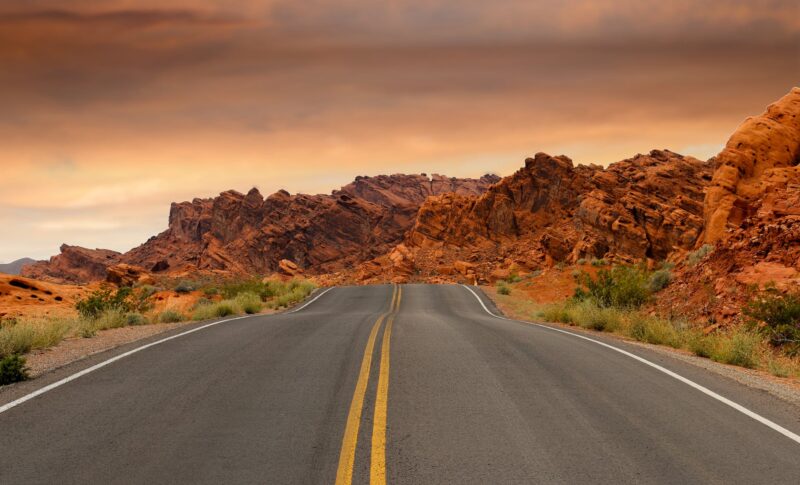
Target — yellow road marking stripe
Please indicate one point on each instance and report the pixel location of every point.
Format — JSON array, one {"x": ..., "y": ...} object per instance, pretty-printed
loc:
[
  {"x": 377, "y": 471},
  {"x": 347, "y": 456}
]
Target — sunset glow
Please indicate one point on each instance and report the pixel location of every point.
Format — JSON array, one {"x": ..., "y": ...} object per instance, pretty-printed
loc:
[{"x": 114, "y": 109}]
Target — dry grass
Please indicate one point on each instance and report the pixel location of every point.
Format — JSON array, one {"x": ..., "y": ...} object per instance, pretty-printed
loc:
[{"x": 735, "y": 346}]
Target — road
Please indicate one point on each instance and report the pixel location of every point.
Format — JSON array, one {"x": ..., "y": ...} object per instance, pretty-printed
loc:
[{"x": 399, "y": 384}]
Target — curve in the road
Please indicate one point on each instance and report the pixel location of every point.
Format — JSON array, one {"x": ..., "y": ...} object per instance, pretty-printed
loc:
[{"x": 747, "y": 412}]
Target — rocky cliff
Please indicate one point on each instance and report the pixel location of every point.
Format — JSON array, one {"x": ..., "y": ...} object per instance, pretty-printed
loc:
[
  {"x": 646, "y": 207},
  {"x": 761, "y": 157},
  {"x": 250, "y": 234},
  {"x": 752, "y": 214}
]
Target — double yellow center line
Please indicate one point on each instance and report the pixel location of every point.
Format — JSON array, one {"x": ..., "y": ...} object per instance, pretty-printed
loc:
[{"x": 347, "y": 456}]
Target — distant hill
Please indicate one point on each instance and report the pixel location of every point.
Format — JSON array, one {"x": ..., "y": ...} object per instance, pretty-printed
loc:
[{"x": 15, "y": 266}]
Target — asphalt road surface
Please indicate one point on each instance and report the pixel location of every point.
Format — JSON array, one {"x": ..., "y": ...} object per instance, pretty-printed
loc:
[{"x": 393, "y": 384}]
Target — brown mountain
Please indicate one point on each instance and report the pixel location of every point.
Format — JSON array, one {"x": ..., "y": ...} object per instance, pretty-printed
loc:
[{"x": 248, "y": 234}]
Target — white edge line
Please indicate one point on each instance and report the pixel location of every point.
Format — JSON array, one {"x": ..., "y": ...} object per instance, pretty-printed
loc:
[
  {"x": 100, "y": 365},
  {"x": 308, "y": 303},
  {"x": 761, "y": 419}
]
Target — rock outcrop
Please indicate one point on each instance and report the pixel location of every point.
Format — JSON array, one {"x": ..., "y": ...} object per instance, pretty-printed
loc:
[
  {"x": 760, "y": 158},
  {"x": 249, "y": 234},
  {"x": 752, "y": 214},
  {"x": 73, "y": 265},
  {"x": 646, "y": 207}
]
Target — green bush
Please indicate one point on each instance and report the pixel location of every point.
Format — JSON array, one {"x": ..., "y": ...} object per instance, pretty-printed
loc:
[
  {"x": 701, "y": 345},
  {"x": 514, "y": 277},
  {"x": 588, "y": 315},
  {"x": 186, "y": 287},
  {"x": 739, "y": 348},
  {"x": 696, "y": 256},
  {"x": 654, "y": 331},
  {"x": 225, "y": 308},
  {"x": 598, "y": 262},
  {"x": 556, "y": 312},
  {"x": 502, "y": 288},
  {"x": 781, "y": 317},
  {"x": 111, "y": 318},
  {"x": 580, "y": 262},
  {"x": 106, "y": 299},
  {"x": 622, "y": 286},
  {"x": 135, "y": 319},
  {"x": 250, "y": 303},
  {"x": 12, "y": 369},
  {"x": 659, "y": 280},
  {"x": 170, "y": 316}
]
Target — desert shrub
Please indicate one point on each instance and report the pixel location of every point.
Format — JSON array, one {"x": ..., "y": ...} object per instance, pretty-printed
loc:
[
  {"x": 654, "y": 331},
  {"x": 581, "y": 261},
  {"x": 170, "y": 316},
  {"x": 204, "y": 312},
  {"x": 12, "y": 369},
  {"x": 33, "y": 333},
  {"x": 622, "y": 286},
  {"x": 696, "y": 256},
  {"x": 250, "y": 303},
  {"x": 514, "y": 277},
  {"x": 202, "y": 302},
  {"x": 556, "y": 312},
  {"x": 598, "y": 262},
  {"x": 264, "y": 289},
  {"x": 135, "y": 319},
  {"x": 778, "y": 368},
  {"x": 146, "y": 291},
  {"x": 780, "y": 315},
  {"x": 16, "y": 340},
  {"x": 210, "y": 291},
  {"x": 502, "y": 288},
  {"x": 587, "y": 314},
  {"x": 186, "y": 286},
  {"x": 739, "y": 347},
  {"x": 659, "y": 280},
  {"x": 225, "y": 308},
  {"x": 112, "y": 318},
  {"x": 106, "y": 299},
  {"x": 700, "y": 344}
]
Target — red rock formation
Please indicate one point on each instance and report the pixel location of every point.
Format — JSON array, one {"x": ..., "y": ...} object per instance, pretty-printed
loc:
[
  {"x": 752, "y": 213},
  {"x": 128, "y": 275},
  {"x": 74, "y": 264},
  {"x": 649, "y": 206},
  {"x": 319, "y": 233},
  {"x": 247, "y": 234},
  {"x": 761, "y": 156}
]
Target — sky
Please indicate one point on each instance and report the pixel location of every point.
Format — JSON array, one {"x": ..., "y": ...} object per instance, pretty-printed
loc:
[{"x": 112, "y": 109}]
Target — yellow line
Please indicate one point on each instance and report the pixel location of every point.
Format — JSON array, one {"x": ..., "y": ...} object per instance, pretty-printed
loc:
[
  {"x": 347, "y": 456},
  {"x": 377, "y": 471}
]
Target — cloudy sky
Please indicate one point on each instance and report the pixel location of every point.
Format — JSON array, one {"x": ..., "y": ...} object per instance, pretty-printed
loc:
[{"x": 111, "y": 109}]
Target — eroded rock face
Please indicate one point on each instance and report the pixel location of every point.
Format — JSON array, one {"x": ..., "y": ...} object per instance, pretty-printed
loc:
[
  {"x": 318, "y": 233},
  {"x": 74, "y": 265},
  {"x": 646, "y": 207},
  {"x": 128, "y": 275},
  {"x": 248, "y": 234},
  {"x": 761, "y": 156}
]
